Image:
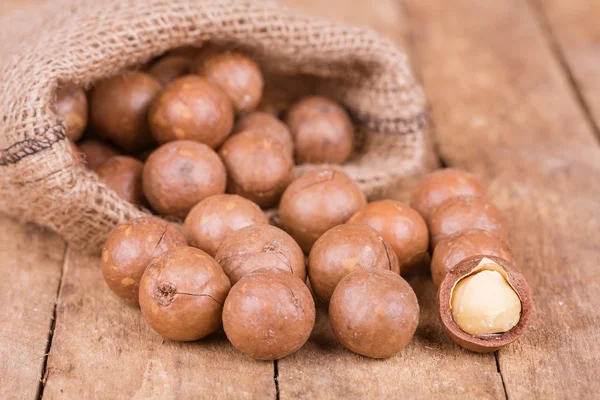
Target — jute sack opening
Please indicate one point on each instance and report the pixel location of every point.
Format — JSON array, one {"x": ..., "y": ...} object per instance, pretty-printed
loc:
[{"x": 85, "y": 41}]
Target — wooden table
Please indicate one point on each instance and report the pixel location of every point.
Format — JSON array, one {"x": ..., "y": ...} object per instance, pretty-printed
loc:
[{"x": 514, "y": 87}]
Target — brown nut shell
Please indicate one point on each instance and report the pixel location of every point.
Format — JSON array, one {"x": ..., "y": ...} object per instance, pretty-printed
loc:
[
  {"x": 236, "y": 74},
  {"x": 260, "y": 246},
  {"x": 180, "y": 174},
  {"x": 182, "y": 294},
  {"x": 400, "y": 226},
  {"x": 167, "y": 69},
  {"x": 322, "y": 130},
  {"x": 119, "y": 109},
  {"x": 123, "y": 174},
  {"x": 266, "y": 123},
  {"x": 215, "y": 217},
  {"x": 189, "y": 52},
  {"x": 318, "y": 201},
  {"x": 441, "y": 185},
  {"x": 453, "y": 249},
  {"x": 129, "y": 249},
  {"x": 191, "y": 108},
  {"x": 259, "y": 167},
  {"x": 374, "y": 313},
  {"x": 269, "y": 314},
  {"x": 72, "y": 107},
  {"x": 464, "y": 213},
  {"x": 96, "y": 152},
  {"x": 343, "y": 250},
  {"x": 490, "y": 342}
]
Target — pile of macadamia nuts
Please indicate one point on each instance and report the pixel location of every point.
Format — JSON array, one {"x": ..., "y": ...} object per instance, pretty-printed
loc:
[{"x": 185, "y": 138}]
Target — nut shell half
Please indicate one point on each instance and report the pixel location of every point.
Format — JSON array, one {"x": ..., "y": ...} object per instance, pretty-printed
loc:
[{"x": 491, "y": 342}]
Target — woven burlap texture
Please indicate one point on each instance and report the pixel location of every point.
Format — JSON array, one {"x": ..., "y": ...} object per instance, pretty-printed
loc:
[{"x": 83, "y": 41}]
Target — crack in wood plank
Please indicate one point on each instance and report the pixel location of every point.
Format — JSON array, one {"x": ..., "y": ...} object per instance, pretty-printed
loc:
[{"x": 45, "y": 372}]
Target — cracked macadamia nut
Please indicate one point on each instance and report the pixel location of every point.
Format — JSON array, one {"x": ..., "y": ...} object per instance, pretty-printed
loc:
[
  {"x": 72, "y": 107},
  {"x": 236, "y": 74},
  {"x": 167, "y": 69},
  {"x": 464, "y": 213},
  {"x": 130, "y": 248},
  {"x": 260, "y": 246},
  {"x": 266, "y": 123},
  {"x": 322, "y": 130},
  {"x": 442, "y": 185},
  {"x": 343, "y": 250},
  {"x": 191, "y": 108},
  {"x": 374, "y": 313},
  {"x": 96, "y": 152},
  {"x": 182, "y": 294},
  {"x": 318, "y": 201},
  {"x": 180, "y": 174},
  {"x": 400, "y": 226},
  {"x": 119, "y": 109},
  {"x": 269, "y": 314},
  {"x": 123, "y": 174},
  {"x": 464, "y": 244},
  {"x": 259, "y": 167},
  {"x": 215, "y": 217},
  {"x": 484, "y": 303}
]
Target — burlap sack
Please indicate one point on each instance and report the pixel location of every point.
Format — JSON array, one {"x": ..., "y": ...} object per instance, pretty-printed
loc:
[{"x": 83, "y": 41}]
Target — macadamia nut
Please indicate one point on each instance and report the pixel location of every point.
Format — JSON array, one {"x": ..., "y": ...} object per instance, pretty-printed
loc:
[
  {"x": 322, "y": 130},
  {"x": 72, "y": 107},
  {"x": 215, "y": 217},
  {"x": 236, "y": 74},
  {"x": 182, "y": 294},
  {"x": 269, "y": 314},
  {"x": 119, "y": 109},
  {"x": 191, "y": 108},
  {"x": 180, "y": 174},
  {"x": 123, "y": 174},
  {"x": 318, "y": 201},
  {"x": 485, "y": 303},
  {"x": 441, "y": 185}
]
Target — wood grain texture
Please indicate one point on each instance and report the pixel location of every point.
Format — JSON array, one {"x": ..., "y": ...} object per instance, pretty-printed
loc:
[
  {"x": 30, "y": 265},
  {"x": 504, "y": 109},
  {"x": 104, "y": 349},
  {"x": 574, "y": 29}
]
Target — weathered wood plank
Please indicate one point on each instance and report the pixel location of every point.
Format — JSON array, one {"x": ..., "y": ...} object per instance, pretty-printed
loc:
[
  {"x": 503, "y": 108},
  {"x": 573, "y": 28},
  {"x": 104, "y": 349},
  {"x": 430, "y": 366},
  {"x": 30, "y": 265}
]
